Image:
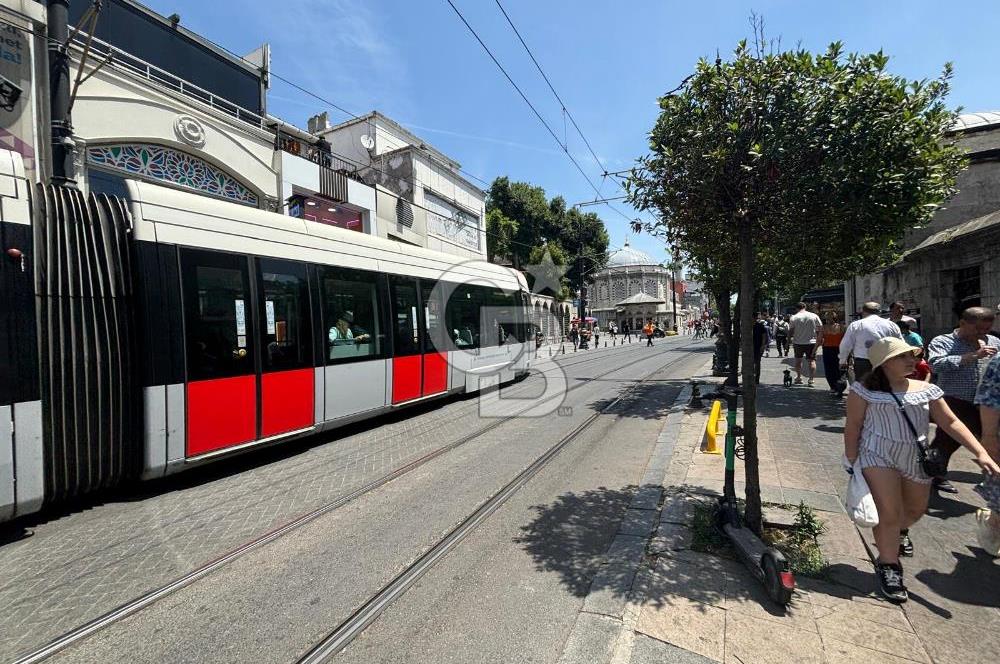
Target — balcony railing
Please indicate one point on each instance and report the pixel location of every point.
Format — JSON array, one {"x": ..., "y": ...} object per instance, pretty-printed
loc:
[
  {"x": 315, "y": 154},
  {"x": 128, "y": 62}
]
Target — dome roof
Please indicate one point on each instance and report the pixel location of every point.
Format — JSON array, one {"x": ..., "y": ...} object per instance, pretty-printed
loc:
[
  {"x": 627, "y": 256},
  {"x": 983, "y": 119}
]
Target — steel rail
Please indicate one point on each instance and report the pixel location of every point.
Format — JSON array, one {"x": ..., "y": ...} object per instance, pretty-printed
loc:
[
  {"x": 146, "y": 599},
  {"x": 348, "y": 630}
]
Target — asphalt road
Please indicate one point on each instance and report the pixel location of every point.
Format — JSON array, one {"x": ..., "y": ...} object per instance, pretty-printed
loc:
[{"x": 510, "y": 592}]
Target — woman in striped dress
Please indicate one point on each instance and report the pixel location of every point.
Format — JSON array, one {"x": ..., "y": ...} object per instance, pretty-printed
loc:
[{"x": 877, "y": 434}]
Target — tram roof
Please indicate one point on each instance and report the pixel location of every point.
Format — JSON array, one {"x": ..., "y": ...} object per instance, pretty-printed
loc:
[{"x": 167, "y": 215}]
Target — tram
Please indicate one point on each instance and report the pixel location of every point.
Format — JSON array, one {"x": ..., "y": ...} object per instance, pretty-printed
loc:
[{"x": 143, "y": 336}]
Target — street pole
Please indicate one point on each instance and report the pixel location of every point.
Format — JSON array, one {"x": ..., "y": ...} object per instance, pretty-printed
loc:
[
  {"x": 61, "y": 127},
  {"x": 673, "y": 297}
]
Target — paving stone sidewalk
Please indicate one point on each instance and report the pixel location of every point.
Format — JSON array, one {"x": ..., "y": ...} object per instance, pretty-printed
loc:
[{"x": 689, "y": 607}]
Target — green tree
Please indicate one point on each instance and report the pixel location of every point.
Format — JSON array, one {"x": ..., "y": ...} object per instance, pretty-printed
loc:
[
  {"x": 521, "y": 220},
  {"x": 781, "y": 164},
  {"x": 500, "y": 233}
]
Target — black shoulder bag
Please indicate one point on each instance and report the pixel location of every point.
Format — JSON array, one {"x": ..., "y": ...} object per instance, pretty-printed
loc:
[{"x": 931, "y": 459}]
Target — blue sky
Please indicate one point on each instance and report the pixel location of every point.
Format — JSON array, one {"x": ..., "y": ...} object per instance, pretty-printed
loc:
[{"x": 417, "y": 63}]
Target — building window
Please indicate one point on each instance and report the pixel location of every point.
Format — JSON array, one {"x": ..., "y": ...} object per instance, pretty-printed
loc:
[
  {"x": 447, "y": 220},
  {"x": 154, "y": 162},
  {"x": 323, "y": 211},
  {"x": 967, "y": 288}
]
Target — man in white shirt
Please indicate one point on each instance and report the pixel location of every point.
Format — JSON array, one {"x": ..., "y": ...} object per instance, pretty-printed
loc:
[
  {"x": 861, "y": 334},
  {"x": 803, "y": 328}
]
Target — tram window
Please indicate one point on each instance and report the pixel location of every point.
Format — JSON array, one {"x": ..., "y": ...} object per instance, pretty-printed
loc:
[
  {"x": 432, "y": 295},
  {"x": 218, "y": 323},
  {"x": 406, "y": 334},
  {"x": 351, "y": 318},
  {"x": 286, "y": 338},
  {"x": 463, "y": 316},
  {"x": 503, "y": 314}
]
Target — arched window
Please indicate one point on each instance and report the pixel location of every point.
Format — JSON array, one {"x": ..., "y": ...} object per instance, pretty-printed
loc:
[{"x": 158, "y": 163}]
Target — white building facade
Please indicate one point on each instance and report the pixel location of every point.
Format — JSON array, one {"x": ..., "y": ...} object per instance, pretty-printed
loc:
[
  {"x": 633, "y": 288},
  {"x": 422, "y": 197}
]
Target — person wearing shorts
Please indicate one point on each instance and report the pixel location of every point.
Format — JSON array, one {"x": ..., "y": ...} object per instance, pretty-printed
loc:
[
  {"x": 888, "y": 417},
  {"x": 804, "y": 329}
]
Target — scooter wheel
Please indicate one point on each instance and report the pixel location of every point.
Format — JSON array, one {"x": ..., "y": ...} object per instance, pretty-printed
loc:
[{"x": 778, "y": 581}]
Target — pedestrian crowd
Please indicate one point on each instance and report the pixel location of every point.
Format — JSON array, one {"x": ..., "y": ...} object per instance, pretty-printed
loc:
[{"x": 899, "y": 385}]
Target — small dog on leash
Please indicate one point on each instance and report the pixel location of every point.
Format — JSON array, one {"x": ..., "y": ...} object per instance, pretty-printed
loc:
[{"x": 788, "y": 377}]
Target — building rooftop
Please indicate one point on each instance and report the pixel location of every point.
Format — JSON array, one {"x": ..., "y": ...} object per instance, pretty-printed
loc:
[
  {"x": 627, "y": 257},
  {"x": 977, "y": 121},
  {"x": 983, "y": 223}
]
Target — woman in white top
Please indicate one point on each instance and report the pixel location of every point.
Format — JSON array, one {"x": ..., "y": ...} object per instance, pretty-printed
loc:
[{"x": 877, "y": 434}]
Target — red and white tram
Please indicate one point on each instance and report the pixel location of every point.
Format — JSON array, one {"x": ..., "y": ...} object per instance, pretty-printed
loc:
[{"x": 141, "y": 337}]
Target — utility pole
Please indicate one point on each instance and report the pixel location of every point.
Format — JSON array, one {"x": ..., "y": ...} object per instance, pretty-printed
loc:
[
  {"x": 673, "y": 295},
  {"x": 61, "y": 126}
]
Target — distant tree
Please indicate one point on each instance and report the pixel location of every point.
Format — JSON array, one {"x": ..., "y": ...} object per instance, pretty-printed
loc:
[
  {"x": 779, "y": 165},
  {"x": 500, "y": 234},
  {"x": 521, "y": 220}
]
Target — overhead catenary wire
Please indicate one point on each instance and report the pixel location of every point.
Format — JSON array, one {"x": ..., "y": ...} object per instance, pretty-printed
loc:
[
  {"x": 355, "y": 116},
  {"x": 551, "y": 87},
  {"x": 541, "y": 119}
]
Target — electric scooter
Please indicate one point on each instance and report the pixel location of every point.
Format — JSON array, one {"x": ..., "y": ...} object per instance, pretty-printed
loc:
[{"x": 766, "y": 563}]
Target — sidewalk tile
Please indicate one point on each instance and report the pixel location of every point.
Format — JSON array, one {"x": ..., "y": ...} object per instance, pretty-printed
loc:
[
  {"x": 840, "y": 652},
  {"x": 746, "y": 595},
  {"x": 750, "y": 639},
  {"x": 702, "y": 579},
  {"x": 647, "y": 497},
  {"x": 647, "y": 650},
  {"x": 849, "y": 624},
  {"x": 592, "y": 640},
  {"x": 670, "y": 537},
  {"x": 686, "y": 623},
  {"x": 638, "y": 522},
  {"x": 680, "y": 507}
]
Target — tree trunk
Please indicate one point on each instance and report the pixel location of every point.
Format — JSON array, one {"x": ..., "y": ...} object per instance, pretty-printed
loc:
[{"x": 753, "y": 515}]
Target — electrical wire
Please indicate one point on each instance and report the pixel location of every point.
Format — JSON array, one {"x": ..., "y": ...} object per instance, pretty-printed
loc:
[
  {"x": 525, "y": 98},
  {"x": 551, "y": 87},
  {"x": 356, "y": 164}
]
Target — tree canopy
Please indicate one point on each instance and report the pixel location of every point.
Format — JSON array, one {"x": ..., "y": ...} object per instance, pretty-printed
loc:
[
  {"x": 793, "y": 167},
  {"x": 521, "y": 222},
  {"x": 830, "y": 156}
]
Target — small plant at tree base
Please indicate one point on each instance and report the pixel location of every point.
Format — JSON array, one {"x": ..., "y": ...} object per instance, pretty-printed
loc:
[
  {"x": 807, "y": 523},
  {"x": 705, "y": 535},
  {"x": 800, "y": 544}
]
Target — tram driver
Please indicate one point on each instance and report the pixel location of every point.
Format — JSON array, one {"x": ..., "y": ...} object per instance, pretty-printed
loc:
[{"x": 343, "y": 331}]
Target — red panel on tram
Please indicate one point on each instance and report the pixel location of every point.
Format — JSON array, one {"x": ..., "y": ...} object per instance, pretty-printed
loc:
[
  {"x": 435, "y": 373},
  {"x": 221, "y": 413},
  {"x": 405, "y": 378},
  {"x": 287, "y": 401}
]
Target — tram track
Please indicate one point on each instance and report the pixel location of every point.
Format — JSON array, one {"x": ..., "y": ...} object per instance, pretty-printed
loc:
[
  {"x": 149, "y": 598},
  {"x": 338, "y": 639}
]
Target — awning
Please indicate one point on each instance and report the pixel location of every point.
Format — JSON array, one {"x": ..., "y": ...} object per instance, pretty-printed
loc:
[{"x": 639, "y": 299}]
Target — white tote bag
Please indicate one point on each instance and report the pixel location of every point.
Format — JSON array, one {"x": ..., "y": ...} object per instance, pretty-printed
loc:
[{"x": 860, "y": 504}]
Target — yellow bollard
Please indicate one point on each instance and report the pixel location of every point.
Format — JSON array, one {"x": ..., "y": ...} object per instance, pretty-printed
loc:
[{"x": 709, "y": 442}]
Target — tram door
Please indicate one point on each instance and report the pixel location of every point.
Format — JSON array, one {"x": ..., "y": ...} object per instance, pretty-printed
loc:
[
  {"x": 420, "y": 361},
  {"x": 435, "y": 362},
  {"x": 407, "y": 359},
  {"x": 249, "y": 349}
]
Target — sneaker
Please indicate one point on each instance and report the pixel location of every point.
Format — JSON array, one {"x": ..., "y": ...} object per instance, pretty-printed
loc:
[
  {"x": 905, "y": 544},
  {"x": 798, "y": 380},
  {"x": 943, "y": 485},
  {"x": 810, "y": 382},
  {"x": 890, "y": 582}
]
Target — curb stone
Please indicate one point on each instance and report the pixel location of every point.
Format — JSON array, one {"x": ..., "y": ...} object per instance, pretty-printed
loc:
[{"x": 603, "y": 632}]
